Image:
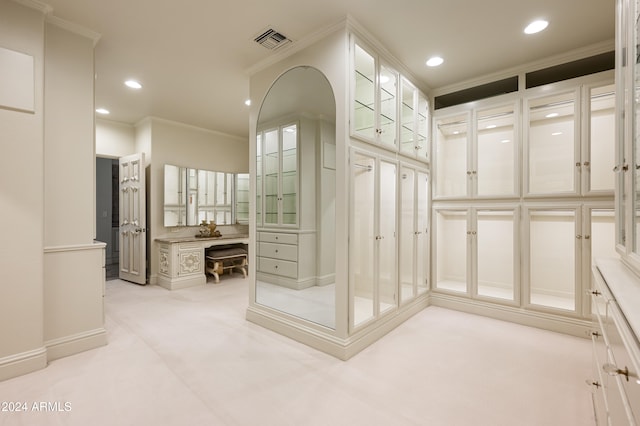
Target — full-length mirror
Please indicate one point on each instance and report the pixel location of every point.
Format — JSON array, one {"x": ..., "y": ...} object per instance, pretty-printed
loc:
[
  {"x": 295, "y": 197},
  {"x": 192, "y": 195}
]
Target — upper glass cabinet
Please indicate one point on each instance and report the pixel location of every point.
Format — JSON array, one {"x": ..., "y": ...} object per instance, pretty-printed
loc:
[
  {"x": 552, "y": 151},
  {"x": 277, "y": 191},
  {"x": 414, "y": 125},
  {"x": 375, "y": 99},
  {"x": 477, "y": 160},
  {"x": 451, "y": 145}
]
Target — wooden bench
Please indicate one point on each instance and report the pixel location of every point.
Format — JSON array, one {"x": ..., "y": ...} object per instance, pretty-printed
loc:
[{"x": 219, "y": 259}]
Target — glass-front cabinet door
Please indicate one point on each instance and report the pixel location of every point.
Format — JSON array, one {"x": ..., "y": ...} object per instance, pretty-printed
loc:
[
  {"x": 494, "y": 173},
  {"x": 414, "y": 125},
  {"x": 373, "y": 250},
  {"x": 375, "y": 99},
  {"x": 452, "y": 237},
  {"x": 552, "y": 153},
  {"x": 451, "y": 151},
  {"x": 598, "y": 157},
  {"x": 476, "y": 252},
  {"x": 277, "y": 176},
  {"x": 496, "y": 240},
  {"x": 414, "y": 237},
  {"x": 555, "y": 238},
  {"x": 363, "y": 119}
]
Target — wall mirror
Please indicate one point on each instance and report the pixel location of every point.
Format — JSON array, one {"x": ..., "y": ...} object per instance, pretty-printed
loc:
[
  {"x": 192, "y": 195},
  {"x": 295, "y": 197}
]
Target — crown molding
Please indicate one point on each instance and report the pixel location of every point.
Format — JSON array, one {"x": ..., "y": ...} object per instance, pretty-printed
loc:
[
  {"x": 74, "y": 28},
  {"x": 36, "y": 5}
]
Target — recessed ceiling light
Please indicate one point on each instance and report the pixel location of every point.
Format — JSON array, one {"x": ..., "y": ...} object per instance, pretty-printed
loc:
[
  {"x": 247, "y": 102},
  {"x": 551, "y": 115},
  {"x": 556, "y": 133},
  {"x": 133, "y": 84},
  {"x": 505, "y": 141},
  {"x": 536, "y": 26},
  {"x": 435, "y": 61},
  {"x": 102, "y": 111}
]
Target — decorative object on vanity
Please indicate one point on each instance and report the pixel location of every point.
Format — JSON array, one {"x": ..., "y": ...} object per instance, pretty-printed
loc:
[{"x": 205, "y": 231}]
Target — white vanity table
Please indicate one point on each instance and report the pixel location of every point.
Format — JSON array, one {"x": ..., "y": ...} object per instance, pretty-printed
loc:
[{"x": 182, "y": 260}]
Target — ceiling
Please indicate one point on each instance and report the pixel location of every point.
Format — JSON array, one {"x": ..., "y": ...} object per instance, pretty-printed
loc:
[{"x": 192, "y": 56}]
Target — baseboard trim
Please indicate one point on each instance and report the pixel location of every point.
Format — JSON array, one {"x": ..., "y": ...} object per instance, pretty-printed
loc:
[
  {"x": 547, "y": 321},
  {"x": 324, "y": 341},
  {"x": 71, "y": 345},
  {"x": 23, "y": 363}
]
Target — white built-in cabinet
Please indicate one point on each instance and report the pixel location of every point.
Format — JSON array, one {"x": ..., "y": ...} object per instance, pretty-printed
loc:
[
  {"x": 414, "y": 121},
  {"x": 375, "y": 98},
  {"x": 389, "y": 191},
  {"x": 523, "y": 196},
  {"x": 476, "y": 152},
  {"x": 285, "y": 212},
  {"x": 373, "y": 251},
  {"x": 476, "y": 251},
  {"x": 566, "y": 155}
]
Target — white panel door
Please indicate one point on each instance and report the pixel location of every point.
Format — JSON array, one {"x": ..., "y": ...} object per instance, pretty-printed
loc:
[{"x": 133, "y": 225}]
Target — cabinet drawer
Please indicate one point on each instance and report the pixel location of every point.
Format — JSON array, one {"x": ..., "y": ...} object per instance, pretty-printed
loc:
[
  {"x": 276, "y": 237},
  {"x": 278, "y": 251},
  {"x": 278, "y": 267},
  {"x": 621, "y": 359}
]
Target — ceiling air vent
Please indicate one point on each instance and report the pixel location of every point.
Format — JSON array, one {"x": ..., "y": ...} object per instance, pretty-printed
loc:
[{"x": 271, "y": 39}]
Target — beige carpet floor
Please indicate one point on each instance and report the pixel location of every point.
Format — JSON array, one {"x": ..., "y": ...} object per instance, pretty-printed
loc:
[{"x": 189, "y": 357}]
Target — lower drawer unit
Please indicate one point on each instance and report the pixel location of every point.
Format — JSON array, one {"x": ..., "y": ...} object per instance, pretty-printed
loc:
[{"x": 278, "y": 267}]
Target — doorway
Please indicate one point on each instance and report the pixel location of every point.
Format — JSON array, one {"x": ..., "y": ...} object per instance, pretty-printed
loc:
[{"x": 107, "y": 212}]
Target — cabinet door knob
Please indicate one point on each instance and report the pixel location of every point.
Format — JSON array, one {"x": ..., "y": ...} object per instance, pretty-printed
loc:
[
  {"x": 593, "y": 383},
  {"x": 613, "y": 370}
]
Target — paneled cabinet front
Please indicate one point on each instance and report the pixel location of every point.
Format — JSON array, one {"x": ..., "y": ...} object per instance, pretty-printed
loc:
[
  {"x": 286, "y": 259},
  {"x": 181, "y": 260},
  {"x": 615, "y": 381}
]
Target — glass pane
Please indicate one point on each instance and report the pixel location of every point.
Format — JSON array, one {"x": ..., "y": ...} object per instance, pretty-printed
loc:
[
  {"x": 451, "y": 156},
  {"x": 495, "y": 244},
  {"x": 451, "y": 250},
  {"x": 362, "y": 255},
  {"x": 271, "y": 172},
  {"x": 364, "y": 96},
  {"x": 407, "y": 234},
  {"x": 552, "y": 144},
  {"x": 552, "y": 258},
  {"x": 636, "y": 130},
  {"x": 387, "y": 273},
  {"x": 602, "y": 139},
  {"x": 242, "y": 197},
  {"x": 423, "y": 126},
  {"x": 422, "y": 225},
  {"x": 602, "y": 234},
  {"x": 496, "y": 151},
  {"x": 259, "y": 179},
  {"x": 289, "y": 174},
  {"x": 408, "y": 117},
  {"x": 388, "y": 107}
]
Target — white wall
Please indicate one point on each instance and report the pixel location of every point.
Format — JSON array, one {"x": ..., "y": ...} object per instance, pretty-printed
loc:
[
  {"x": 21, "y": 200},
  {"x": 47, "y": 198},
  {"x": 113, "y": 139}
]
